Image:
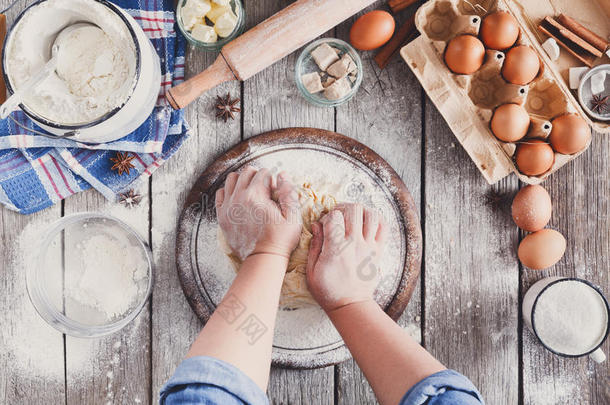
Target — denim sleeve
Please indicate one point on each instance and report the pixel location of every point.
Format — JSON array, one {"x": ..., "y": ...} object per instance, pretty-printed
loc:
[
  {"x": 206, "y": 380},
  {"x": 446, "y": 387}
]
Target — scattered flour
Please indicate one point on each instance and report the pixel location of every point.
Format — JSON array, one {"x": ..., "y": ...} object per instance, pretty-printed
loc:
[{"x": 33, "y": 349}]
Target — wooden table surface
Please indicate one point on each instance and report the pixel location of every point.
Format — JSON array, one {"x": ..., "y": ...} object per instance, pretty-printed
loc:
[{"x": 468, "y": 301}]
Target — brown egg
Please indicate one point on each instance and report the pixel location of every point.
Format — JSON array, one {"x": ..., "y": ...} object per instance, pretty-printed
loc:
[
  {"x": 372, "y": 30},
  {"x": 499, "y": 30},
  {"x": 570, "y": 134},
  {"x": 534, "y": 157},
  {"x": 521, "y": 65},
  {"x": 532, "y": 208},
  {"x": 510, "y": 122},
  {"x": 542, "y": 249},
  {"x": 464, "y": 54}
]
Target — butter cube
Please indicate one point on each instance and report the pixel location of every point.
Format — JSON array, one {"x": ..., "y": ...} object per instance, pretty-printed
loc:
[
  {"x": 312, "y": 82},
  {"x": 339, "y": 89},
  {"x": 204, "y": 33},
  {"x": 217, "y": 11},
  {"x": 324, "y": 56},
  {"x": 193, "y": 12},
  {"x": 225, "y": 24},
  {"x": 342, "y": 67}
]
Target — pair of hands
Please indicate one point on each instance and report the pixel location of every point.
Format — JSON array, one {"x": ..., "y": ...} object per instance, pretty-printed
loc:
[{"x": 347, "y": 244}]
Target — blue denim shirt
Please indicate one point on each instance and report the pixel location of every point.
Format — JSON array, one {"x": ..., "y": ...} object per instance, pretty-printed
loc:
[{"x": 206, "y": 380}]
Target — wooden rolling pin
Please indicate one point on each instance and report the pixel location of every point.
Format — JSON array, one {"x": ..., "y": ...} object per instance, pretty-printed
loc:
[{"x": 265, "y": 44}]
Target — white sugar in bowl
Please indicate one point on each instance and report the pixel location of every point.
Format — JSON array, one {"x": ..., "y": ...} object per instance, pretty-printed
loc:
[{"x": 106, "y": 83}]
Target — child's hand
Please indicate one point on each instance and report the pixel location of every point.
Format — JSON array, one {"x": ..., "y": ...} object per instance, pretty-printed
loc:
[
  {"x": 342, "y": 267},
  {"x": 251, "y": 221}
]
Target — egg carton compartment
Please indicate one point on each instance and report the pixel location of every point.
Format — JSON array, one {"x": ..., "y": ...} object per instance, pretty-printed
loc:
[
  {"x": 593, "y": 14},
  {"x": 468, "y": 101}
]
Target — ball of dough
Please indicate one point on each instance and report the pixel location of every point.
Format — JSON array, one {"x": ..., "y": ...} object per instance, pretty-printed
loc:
[{"x": 294, "y": 289}]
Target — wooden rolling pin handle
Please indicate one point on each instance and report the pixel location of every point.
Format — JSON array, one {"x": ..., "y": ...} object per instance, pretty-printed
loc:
[{"x": 181, "y": 95}]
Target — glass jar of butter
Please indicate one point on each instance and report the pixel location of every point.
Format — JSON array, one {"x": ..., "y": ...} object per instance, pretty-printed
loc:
[{"x": 210, "y": 24}]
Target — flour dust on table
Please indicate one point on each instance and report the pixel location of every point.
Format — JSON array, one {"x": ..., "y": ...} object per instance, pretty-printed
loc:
[{"x": 301, "y": 323}]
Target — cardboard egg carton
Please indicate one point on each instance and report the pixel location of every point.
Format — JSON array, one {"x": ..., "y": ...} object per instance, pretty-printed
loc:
[{"x": 467, "y": 102}]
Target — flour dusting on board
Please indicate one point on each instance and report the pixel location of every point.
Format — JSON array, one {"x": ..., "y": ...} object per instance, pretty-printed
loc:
[{"x": 308, "y": 328}]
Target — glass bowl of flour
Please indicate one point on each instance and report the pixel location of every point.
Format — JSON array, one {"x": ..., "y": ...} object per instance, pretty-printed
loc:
[{"x": 92, "y": 275}]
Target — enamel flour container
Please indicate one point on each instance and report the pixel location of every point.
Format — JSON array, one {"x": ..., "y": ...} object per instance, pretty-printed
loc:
[{"x": 107, "y": 79}]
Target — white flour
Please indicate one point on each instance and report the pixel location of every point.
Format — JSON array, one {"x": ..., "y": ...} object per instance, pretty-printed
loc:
[
  {"x": 107, "y": 275},
  {"x": 34, "y": 350},
  {"x": 96, "y": 66},
  {"x": 570, "y": 317},
  {"x": 309, "y": 328}
]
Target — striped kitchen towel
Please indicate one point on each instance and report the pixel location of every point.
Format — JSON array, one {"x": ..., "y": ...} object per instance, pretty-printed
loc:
[{"x": 37, "y": 172}]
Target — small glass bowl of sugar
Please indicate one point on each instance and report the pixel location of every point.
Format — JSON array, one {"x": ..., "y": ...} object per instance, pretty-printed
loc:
[
  {"x": 92, "y": 276},
  {"x": 328, "y": 72}
]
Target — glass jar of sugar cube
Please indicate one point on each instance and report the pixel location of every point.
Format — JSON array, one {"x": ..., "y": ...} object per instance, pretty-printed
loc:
[
  {"x": 210, "y": 24},
  {"x": 569, "y": 316},
  {"x": 328, "y": 72}
]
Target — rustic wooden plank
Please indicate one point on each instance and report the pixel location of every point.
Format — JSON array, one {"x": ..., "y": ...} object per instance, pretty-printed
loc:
[
  {"x": 472, "y": 278},
  {"x": 386, "y": 115},
  {"x": 272, "y": 101},
  {"x": 31, "y": 351},
  {"x": 174, "y": 325},
  {"x": 114, "y": 368},
  {"x": 581, "y": 212}
]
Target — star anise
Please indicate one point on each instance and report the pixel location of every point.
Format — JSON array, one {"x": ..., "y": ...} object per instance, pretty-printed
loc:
[
  {"x": 122, "y": 162},
  {"x": 227, "y": 107},
  {"x": 599, "y": 103},
  {"x": 130, "y": 198}
]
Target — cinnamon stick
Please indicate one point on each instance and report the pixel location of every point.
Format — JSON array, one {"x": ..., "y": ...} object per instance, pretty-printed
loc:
[
  {"x": 399, "y": 5},
  {"x": 566, "y": 33},
  {"x": 571, "y": 42},
  {"x": 406, "y": 31},
  {"x": 592, "y": 38}
]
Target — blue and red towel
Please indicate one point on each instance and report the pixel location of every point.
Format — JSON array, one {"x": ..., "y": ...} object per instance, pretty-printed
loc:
[{"x": 37, "y": 172}]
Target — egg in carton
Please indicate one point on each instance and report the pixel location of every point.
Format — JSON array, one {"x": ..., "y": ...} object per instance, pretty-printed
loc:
[{"x": 468, "y": 101}]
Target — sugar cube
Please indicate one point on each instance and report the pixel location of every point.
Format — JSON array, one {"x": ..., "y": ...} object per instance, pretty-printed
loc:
[
  {"x": 576, "y": 74},
  {"x": 598, "y": 82}
]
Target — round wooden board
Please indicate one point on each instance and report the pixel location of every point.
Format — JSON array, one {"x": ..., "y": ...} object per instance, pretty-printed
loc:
[{"x": 199, "y": 205}]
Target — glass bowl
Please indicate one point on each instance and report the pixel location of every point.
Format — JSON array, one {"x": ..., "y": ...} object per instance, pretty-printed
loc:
[
  {"x": 306, "y": 64},
  {"x": 91, "y": 275},
  {"x": 237, "y": 7}
]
